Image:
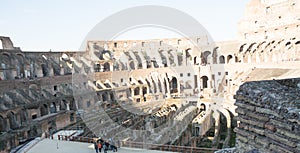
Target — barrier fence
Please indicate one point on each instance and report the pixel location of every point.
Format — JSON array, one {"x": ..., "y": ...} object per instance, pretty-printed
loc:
[{"x": 141, "y": 145}]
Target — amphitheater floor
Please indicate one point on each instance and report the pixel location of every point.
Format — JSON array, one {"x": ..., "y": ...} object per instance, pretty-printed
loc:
[{"x": 56, "y": 146}]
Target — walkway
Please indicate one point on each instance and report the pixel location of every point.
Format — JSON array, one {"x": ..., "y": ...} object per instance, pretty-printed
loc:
[{"x": 56, "y": 146}]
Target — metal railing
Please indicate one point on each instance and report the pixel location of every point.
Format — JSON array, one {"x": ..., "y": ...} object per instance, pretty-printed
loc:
[{"x": 141, "y": 145}]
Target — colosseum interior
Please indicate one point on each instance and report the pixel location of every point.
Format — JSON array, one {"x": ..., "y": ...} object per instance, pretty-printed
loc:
[{"x": 182, "y": 91}]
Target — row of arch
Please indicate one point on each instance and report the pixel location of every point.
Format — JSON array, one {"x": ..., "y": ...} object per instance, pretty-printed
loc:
[{"x": 12, "y": 120}]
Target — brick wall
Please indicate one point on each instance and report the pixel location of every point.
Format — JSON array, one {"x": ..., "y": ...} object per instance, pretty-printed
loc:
[{"x": 268, "y": 116}]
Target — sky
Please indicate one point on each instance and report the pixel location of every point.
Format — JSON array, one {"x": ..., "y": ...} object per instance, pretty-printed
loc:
[{"x": 61, "y": 25}]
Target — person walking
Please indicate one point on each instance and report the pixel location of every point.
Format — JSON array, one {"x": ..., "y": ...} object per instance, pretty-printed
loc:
[
  {"x": 96, "y": 146},
  {"x": 99, "y": 146},
  {"x": 104, "y": 147}
]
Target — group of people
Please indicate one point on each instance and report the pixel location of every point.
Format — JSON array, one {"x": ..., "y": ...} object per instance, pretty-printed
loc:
[{"x": 100, "y": 144}]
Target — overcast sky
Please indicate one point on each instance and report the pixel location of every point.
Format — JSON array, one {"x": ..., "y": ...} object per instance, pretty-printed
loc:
[{"x": 61, "y": 25}]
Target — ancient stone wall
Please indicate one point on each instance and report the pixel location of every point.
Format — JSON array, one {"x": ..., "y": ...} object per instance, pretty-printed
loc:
[{"x": 269, "y": 116}]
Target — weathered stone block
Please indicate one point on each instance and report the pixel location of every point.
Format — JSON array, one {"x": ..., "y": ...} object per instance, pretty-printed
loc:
[
  {"x": 257, "y": 130},
  {"x": 258, "y": 116},
  {"x": 281, "y": 124},
  {"x": 288, "y": 134},
  {"x": 278, "y": 149},
  {"x": 249, "y": 135},
  {"x": 270, "y": 127},
  {"x": 268, "y": 111},
  {"x": 280, "y": 139},
  {"x": 245, "y": 106},
  {"x": 242, "y": 138},
  {"x": 252, "y": 122},
  {"x": 244, "y": 126},
  {"x": 263, "y": 141},
  {"x": 241, "y": 111}
]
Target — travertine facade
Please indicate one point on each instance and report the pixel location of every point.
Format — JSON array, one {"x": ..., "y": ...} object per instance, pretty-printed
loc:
[{"x": 37, "y": 87}]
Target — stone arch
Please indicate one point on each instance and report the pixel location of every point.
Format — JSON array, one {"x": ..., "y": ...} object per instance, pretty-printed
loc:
[
  {"x": 53, "y": 107},
  {"x": 229, "y": 58},
  {"x": 5, "y": 60},
  {"x": 204, "y": 80},
  {"x": 174, "y": 85},
  {"x": 13, "y": 122},
  {"x": 104, "y": 97},
  {"x": 44, "y": 66},
  {"x": 196, "y": 60},
  {"x": 202, "y": 107},
  {"x": 163, "y": 58},
  {"x": 106, "y": 67},
  {"x": 23, "y": 116},
  {"x": 63, "y": 105},
  {"x": 221, "y": 59},
  {"x": 105, "y": 55},
  {"x": 131, "y": 65},
  {"x": 136, "y": 91},
  {"x": 44, "y": 109},
  {"x": 206, "y": 57},
  {"x": 188, "y": 53},
  {"x": 3, "y": 124},
  {"x": 20, "y": 65}
]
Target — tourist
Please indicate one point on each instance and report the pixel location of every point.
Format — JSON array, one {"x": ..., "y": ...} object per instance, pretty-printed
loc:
[
  {"x": 99, "y": 146},
  {"x": 104, "y": 147},
  {"x": 114, "y": 148},
  {"x": 96, "y": 146}
]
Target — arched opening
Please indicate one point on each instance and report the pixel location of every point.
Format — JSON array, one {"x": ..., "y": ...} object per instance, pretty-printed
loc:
[
  {"x": 174, "y": 85},
  {"x": 3, "y": 124},
  {"x": 104, "y": 97},
  {"x": 205, "y": 57},
  {"x": 63, "y": 105},
  {"x": 23, "y": 116},
  {"x": 131, "y": 65},
  {"x": 20, "y": 66},
  {"x": 44, "y": 110},
  {"x": 204, "y": 80},
  {"x": 221, "y": 59},
  {"x": 202, "y": 107},
  {"x": 12, "y": 120},
  {"x": 53, "y": 108},
  {"x": 229, "y": 57},
  {"x": 137, "y": 91},
  {"x": 106, "y": 67},
  {"x": 237, "y": 59},
  {"x": 163, "y": 58},
  {"x": 144, "y": 90},
  {"x": 5, "y": 66},
  {"x": 45, "y": 69},
  {"x": 196, "y": 60},
  {"x": 144, "y": 93}
]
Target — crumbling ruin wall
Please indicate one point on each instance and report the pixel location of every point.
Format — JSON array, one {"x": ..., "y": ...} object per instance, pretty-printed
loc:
[{"x": 268, "y": 116}]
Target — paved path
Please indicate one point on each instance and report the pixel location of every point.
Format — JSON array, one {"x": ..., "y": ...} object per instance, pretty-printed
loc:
[{"x": 56, "y": 146}]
